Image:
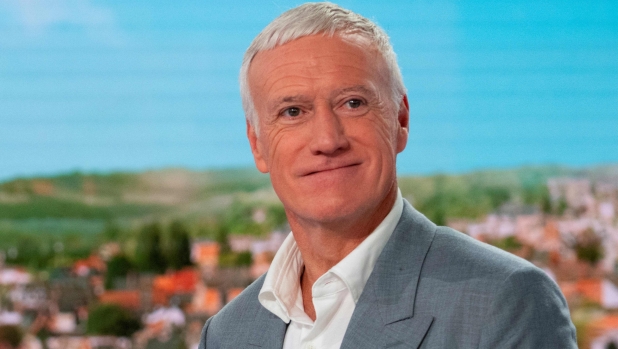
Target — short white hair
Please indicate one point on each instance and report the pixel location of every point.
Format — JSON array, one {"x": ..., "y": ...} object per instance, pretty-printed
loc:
[{"x": 311, "y": 19}]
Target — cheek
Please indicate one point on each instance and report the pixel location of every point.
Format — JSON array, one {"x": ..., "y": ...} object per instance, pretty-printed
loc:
[
  {"x": 383, "y": 135},
  {"x": 280, "y": 150}
]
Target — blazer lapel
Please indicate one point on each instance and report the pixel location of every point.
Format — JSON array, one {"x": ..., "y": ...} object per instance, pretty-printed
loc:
[
  {"x": 266, "y": 330},
  {"x": 384, "y": 315}
]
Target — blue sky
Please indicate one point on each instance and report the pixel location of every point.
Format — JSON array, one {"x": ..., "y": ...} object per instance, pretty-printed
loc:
[{"x": 116, "y": 85}]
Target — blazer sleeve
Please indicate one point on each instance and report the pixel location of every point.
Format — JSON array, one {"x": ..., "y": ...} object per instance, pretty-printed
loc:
[
  {"x": 529, "y": 311},
  {"x": 202, "y": 344}
]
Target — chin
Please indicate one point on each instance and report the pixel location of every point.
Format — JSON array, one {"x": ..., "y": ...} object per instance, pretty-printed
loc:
[{"x": 327, "y": 210}]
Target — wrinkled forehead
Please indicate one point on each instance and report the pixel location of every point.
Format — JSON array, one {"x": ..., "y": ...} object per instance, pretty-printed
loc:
[
  {"x": 365, "y": 51},
  {"x": 319, "y": 56}
]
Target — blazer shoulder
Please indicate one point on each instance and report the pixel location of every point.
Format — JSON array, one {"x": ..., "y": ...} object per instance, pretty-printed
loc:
[
  {"x": 506, "y": 301},
  {"x": 528, "y": 311},
  {"x": 451, "y": 247}
]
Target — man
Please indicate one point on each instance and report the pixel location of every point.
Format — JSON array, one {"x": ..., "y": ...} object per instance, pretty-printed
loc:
[{"x": 327, "y": 114}]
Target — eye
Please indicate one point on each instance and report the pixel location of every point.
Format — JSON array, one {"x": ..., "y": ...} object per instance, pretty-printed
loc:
[
  {"x": 353, "y": 106},
  {"x": 354, "y": 103},
  {"x": 291, "y": 111}
]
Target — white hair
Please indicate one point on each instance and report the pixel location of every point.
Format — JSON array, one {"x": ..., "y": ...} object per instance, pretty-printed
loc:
[{"x": 315, "y": 18}]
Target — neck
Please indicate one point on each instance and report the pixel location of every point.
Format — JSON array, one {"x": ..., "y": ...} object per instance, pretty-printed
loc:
[{"x": 323, "y": 245}]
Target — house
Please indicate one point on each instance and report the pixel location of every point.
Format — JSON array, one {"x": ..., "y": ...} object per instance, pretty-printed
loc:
[
  {"x": 88, "y": 342},
  {"x": 206, "y": 300},
  {"x": 205, "y": 254},
  {"x": 601, "y": 291},
  {"x": 14, "y": 276},
  {"x": 529, "y": 229},
  {"x": 603, "y": 332},
  {"x": 270, "y": 244},
  {"x": 493, "y": 227},
  {"x": 263, "y": 252},
  {"x": 30, "y": 296},
  {"x": 68, "y": 294},
  {"x": 607, "y": 211},
  {"x": 109, "y": 250},
  {"x": 260, "y": 263},
  {"x": 165, "y": 317},
  {"x": 576, "y": 192},
  {"x": 62, "y": 323},
  {"x": 240, "y": 243},
  {"x": 129, "y": 299},
  {"x": 88, "y": 266},
  {"x": 233, "y": 293},
  {"x": 179, "y": 283},
  {"x": 10, "y": 318}
]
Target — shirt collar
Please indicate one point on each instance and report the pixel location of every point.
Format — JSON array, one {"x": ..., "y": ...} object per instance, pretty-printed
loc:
[
  {"x": 279, "y": 293},
  {"x": 281, "y": 285}
]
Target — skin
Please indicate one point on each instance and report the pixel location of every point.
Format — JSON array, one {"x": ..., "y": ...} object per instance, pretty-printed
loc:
[{"x": 328, "y": 135}]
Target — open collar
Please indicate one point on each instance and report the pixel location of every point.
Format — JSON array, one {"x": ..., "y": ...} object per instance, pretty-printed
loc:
[{"x": 384, "y": 315}]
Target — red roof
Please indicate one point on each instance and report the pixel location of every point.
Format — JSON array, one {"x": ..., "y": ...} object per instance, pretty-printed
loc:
[
  {"x": 591, "y": 289},
  {"x": 180, "y": 282},
  {"x": 129, "y": 299}
]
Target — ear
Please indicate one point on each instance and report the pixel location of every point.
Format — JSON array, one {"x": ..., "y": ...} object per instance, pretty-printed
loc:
[
  {"x": 260, "y": 163},
  {"x": 403, "y": 124}
]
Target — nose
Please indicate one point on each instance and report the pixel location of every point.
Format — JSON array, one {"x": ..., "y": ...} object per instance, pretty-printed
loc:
[{"x": 329, "y": 137}]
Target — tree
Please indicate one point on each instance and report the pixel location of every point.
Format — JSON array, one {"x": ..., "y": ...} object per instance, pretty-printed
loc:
[
  {"x": 509, "y": 243},
  {"x": 10, "y": 336},
  {"x": 30, "y": 252},
  {"x": 111, "y": 232},
  {"x": 178, "y": 246},
  {"x": 117, "y": 267},
  {"x": 497, "y": 196},
  {"x": 223, "y": 240},
  {"x": 244, "y": 259},
  {"x": 439, "y": 201},
  {"x": 227, "y": 257},
  {"x": 588, "y": 247},
  {"x": 561, "y": 207},
  {"x": 148, "y": 254},
  {"x": 111, "y": 320},
  {"x": 276, "y": 216}
]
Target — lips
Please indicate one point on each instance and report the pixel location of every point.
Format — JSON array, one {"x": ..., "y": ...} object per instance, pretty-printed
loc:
[{"x": 328, "y": 168}]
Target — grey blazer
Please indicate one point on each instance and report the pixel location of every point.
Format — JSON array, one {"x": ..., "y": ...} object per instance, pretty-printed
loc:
[{"x": 431, "y": 287}]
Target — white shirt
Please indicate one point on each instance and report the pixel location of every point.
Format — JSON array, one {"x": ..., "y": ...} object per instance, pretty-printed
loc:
[{"x": 334, "y": 294}]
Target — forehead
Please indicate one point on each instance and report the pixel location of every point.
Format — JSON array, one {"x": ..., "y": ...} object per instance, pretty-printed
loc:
[{"x": 315, "y": 61}]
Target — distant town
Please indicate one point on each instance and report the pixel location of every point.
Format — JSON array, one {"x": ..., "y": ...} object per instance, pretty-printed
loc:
[{"x": 143, "y": 260}]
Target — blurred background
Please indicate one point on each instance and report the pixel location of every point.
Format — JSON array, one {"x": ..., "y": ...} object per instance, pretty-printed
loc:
[
  {"x": 117, "y": 85},
  {"x": 127, "y": 186}
]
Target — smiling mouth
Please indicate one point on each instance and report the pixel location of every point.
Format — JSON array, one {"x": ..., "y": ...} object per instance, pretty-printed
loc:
[{"x": 332, "y": 169}]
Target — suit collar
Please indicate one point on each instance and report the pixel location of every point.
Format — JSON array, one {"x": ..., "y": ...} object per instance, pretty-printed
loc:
[
  {"x": 268, "y": 329},
  {"x": 398, "y": 269},
  {"x": 391, "y": 289}
]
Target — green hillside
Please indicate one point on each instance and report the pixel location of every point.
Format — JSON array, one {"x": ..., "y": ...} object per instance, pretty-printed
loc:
[
  {"x": 93, "y": 199},
  {"x": 47, "y": 222}
]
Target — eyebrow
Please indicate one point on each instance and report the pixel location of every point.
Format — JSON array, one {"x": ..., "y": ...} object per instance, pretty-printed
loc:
[
  {"x": 357, "y": 88},
  {"x": 287, "y": 99},
  {"x": 303, "y": 98}
]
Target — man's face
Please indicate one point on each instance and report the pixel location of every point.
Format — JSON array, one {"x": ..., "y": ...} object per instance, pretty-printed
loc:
[{"x": 328, "y": 130}]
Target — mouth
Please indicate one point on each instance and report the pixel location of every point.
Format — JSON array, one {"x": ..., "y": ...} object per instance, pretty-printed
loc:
[{"x": 330, "y": 169}]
